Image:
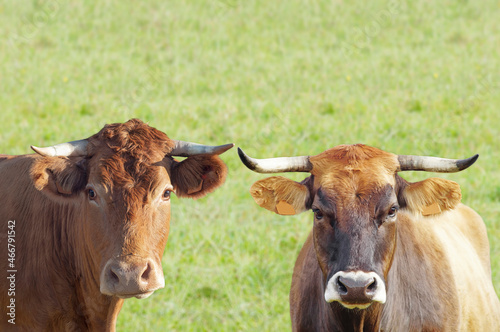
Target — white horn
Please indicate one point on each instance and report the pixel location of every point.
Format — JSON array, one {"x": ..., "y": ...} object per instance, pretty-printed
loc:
[
  {"x": 186, "y": 149},
  {"x": 276, "y": 165},
  {"x": 434, "y": 164},
  {"x": 69, "y": 149}
]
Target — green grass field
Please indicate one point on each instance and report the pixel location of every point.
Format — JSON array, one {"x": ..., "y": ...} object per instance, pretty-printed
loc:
[{"x": 277, "y": 78}]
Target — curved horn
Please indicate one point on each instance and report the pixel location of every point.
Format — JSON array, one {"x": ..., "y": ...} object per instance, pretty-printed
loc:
[
  {"x": 434, "y": 164},
  {"x": 276, "y": 165},
  {"x": 186, "y": 149},
  {"x": 69, "y": 149}
]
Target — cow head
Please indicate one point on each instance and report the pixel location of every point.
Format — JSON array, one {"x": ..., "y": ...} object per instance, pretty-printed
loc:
[
  {"x": 117, "y": 186},
  {"x": 356, "y": 194}
]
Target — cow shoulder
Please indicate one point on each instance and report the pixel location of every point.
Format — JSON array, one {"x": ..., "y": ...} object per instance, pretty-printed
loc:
[
  {"x": 463, "y": 235},
  {"x": 472, "y": 226}
]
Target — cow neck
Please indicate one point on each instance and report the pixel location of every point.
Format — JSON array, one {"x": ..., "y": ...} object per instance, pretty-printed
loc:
[
  {"x": 415, "y": 287},
  {"x": 95, "y": 311},
  {"x": 367, "y": 320},
  {"x": 113, "y": 311},
  {"x": 100, "y": 311}
]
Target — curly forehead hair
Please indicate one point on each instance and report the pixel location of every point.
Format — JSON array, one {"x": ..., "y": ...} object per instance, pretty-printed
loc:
[
  {"x": 133, "y": 148},
  {"x": 136, "y": 140}
]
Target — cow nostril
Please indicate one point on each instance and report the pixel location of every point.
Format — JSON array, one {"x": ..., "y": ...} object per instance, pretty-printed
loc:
[
  {"x": 341, "y": 287},
  {"x": 113, "y": 276},
  {"x": 372, "y": 287},
  {"x": 146, "y": 273}
]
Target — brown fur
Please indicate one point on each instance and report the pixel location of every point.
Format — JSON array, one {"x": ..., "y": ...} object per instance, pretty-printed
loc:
[
  {"x": 130, "y": 149},
  {"x": 63, "y": 240},
  {"x": 427, "y": 287},
  {"x": 58, "y": 176},
  {"x": 196, "y": 176}
]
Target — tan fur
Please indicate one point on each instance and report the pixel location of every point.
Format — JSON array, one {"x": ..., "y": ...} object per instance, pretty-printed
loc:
[
  {"x": 420, "y": 195},
  {"x": 268, "y": 193},
  {"x": 352, "y": 160},
  {"x": 421, "y": 293},
  {"x": 439, "y": 277},
  {"x": 464, "y": 238}
]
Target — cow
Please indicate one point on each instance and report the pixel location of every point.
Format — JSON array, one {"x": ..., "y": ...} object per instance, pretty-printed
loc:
[
  {"x": 85, "y": 223},
  {"x": 384, "y": 254}
]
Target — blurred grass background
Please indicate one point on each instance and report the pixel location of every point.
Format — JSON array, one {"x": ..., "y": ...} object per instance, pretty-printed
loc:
[{"x": 277, "y": 78}]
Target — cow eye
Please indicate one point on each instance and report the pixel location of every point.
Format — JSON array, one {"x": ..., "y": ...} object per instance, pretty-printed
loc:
[
  {"x": 92, "y": 194},
  {"x": 166, "y": 195},
  {"x": 392, "y": 211},
  {"x": 318, "y": 214}
]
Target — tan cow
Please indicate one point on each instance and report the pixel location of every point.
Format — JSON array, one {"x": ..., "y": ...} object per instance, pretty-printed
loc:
[
  {"x": 383, "y": 254},
  {"x": 85, "y": 223}
]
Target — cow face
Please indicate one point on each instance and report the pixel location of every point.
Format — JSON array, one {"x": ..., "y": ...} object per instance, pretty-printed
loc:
[
  {"x": 119, "y": 192},
  {"x": 357, "y": 198}
]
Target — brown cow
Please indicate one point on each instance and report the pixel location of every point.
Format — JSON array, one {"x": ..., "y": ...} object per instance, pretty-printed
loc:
[
  {"x": 383, "y": 254},
  {"x": 85, "y": 223}
]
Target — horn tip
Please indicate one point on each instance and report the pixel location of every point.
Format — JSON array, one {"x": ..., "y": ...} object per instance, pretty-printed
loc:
[
  {"x": 225, "y": 147},
  {"x": 245, "y": 159},
  {"x": 41, "y": 151},
  {"x": 466, "y": 163}
]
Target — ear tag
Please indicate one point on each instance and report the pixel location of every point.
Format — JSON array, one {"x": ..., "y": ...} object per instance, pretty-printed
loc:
[
  {"x": 431, "y": 209},
  {"x": 285, "y": 208}
]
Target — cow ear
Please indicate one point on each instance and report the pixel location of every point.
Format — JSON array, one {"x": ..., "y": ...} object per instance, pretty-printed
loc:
[
  {"x": 198, "y": 175},
  {"x": 281, "y": 195},
  {"x": 59, "y": 176},
  {"x": 429, "y": 197}
]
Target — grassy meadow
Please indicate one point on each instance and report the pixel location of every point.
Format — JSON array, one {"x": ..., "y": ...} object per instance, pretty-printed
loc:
[{"x": 277, "y": 78}]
